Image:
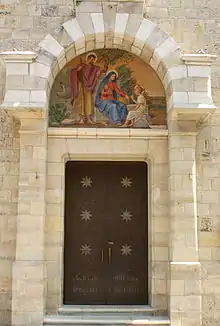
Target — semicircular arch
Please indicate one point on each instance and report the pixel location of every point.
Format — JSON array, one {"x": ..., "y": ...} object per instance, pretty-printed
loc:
[{"x": 146, "y": 40}]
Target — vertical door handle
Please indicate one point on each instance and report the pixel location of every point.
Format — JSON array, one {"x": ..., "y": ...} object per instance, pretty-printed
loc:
[
  {"x": 102, "y": 256},
  {"x": 109, "y": 255}
]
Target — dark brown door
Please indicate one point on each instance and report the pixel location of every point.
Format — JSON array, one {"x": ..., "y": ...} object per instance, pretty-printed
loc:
[{"x": 105, "y": 243}]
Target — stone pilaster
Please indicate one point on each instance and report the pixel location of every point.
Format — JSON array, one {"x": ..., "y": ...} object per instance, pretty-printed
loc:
[
  {"x": 25, "y": 99},
  {"x": 185, "y": 271},
  {"x": 184, "y": 114},
  {"x": 28, "y": 269}
]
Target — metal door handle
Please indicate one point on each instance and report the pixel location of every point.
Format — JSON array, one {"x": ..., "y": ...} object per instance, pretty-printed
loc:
[
  {"x": 109, "y": 255},
  {"x": 102, "y": 256}
]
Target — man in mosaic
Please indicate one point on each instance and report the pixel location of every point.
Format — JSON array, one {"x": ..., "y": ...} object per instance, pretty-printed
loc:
[{"x": 83, "y": 81}]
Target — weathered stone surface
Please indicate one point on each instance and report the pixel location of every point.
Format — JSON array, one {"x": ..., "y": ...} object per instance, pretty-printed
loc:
[
  {"x": 130, "y": 7},
  {"x": 8, "y": 211}
]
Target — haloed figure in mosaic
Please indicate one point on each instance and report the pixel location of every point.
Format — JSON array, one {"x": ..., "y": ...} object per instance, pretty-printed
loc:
[
  {"x": 107, "y": 99},
  {"x": 140, "y": 114},
  {"x": 83, "y": 81}
]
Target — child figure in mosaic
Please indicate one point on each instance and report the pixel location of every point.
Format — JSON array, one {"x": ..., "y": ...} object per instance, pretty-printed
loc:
[{"x": 140, "y": 116}]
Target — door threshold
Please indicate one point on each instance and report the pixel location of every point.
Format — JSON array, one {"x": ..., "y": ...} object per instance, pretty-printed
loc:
[{"x": 65, "y": 309}]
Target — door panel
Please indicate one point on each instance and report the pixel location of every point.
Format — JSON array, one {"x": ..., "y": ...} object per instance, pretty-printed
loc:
[
  {"x": 126, "y": 220},
  {"x": 105, "y": 252},
  {"x": 84, "y": 235}
]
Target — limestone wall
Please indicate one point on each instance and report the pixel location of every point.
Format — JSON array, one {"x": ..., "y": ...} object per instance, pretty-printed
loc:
[
  {"x": 208, "y": 173},
  {"x": 9, "y": 155}
]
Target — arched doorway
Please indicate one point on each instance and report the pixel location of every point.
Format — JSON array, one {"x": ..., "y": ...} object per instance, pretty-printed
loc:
[{"x": 84, "y": 95}]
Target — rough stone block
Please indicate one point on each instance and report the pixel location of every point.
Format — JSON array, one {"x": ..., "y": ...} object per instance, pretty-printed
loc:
[
  {"x": 38, "y": 96},
  {"x": 50, "y": 45},
  {"x": 53, "y": 253},
  {"x": 179, "y": 97},
  {"x": 53, "y": 209},
  {"x": 39, "y": 69},
  {"x": 176, "y": 72},
  {"x": 17, "y": 69},
  {"x": 132, "y": 26},
  {"x": 28, "y": 222},
  {"x": 17, "y": 96},
  {"x": 160, "y": 253},
  {"x": 199, "y": 97},
  {"x": 70, "y": 53},
  {"x": 33, "y": 82},
  {"x": 53, "y": 223},
  {"x": 198, "y": 71},
  {"x": 21, "y": 318},
  {"x": 90, "y": 45},
  {"x": 130, "y": 7},
  {"x": 73, "y": 29},
  {"x": 109, "y": 15},
  {"x": 98, "y": 24},
  {"x": 53, "y": 196},
  {"x": 146, "y": 54},
  {"x": 184, "y": 141},
  {"x": 165, "y": 49},
  {"x": 120, "y": 24},
  {"x": 86, "y": 25},
  {"x": 89, "y": 7},
  {"x": 145, "y": 30},
  {"x": 159, "y": 286},
  {"x": 55, "y": 168},
  {"x": 24, "y": 253}
]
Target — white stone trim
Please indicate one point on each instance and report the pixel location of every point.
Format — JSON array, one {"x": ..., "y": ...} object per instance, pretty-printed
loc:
[
  {"x": 145, "y": 30},
  {"x": 99, "y": 28},
  {"x": 40, "y": 70},
  {"x": 17, "y": 96},
  {"x": 73, "y": 29},
  {"x": 174, "y": 73},
  {"x": 121, "y": 23},
  {"x": 86, "y": 25},
  {"x": 167, "y": 47},
  {"x": 108, "y": 133},
  {"x": 196, "y": 71},
  {"x": 18, "y": 56},
  {"x": 15, "y": 70},
  {"x": 199, "y": 59},
  {"x": 38, "y": 96},
  {"x": 50, "y": 45}
]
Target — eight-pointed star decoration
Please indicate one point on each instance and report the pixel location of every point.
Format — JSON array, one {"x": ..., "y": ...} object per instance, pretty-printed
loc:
[
  {"x": 85, "y": 215},
  {"x": 85, "y": 250},
  {"x": 126, "y": 182},
  {"x": 86, "y": 182},
  {"x": 126, "y": 250},
  {"x": 126, "y": 215}
]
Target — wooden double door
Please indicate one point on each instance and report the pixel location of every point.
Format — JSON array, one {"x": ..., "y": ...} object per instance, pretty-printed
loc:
[{"x": 105, "y": 242}]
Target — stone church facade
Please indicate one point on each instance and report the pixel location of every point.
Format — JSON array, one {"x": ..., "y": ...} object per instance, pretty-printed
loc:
[{"x": 179, "y": 40}]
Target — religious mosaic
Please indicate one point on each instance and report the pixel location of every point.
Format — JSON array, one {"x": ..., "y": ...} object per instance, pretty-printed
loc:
[{"x": 107, "y": 88}]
